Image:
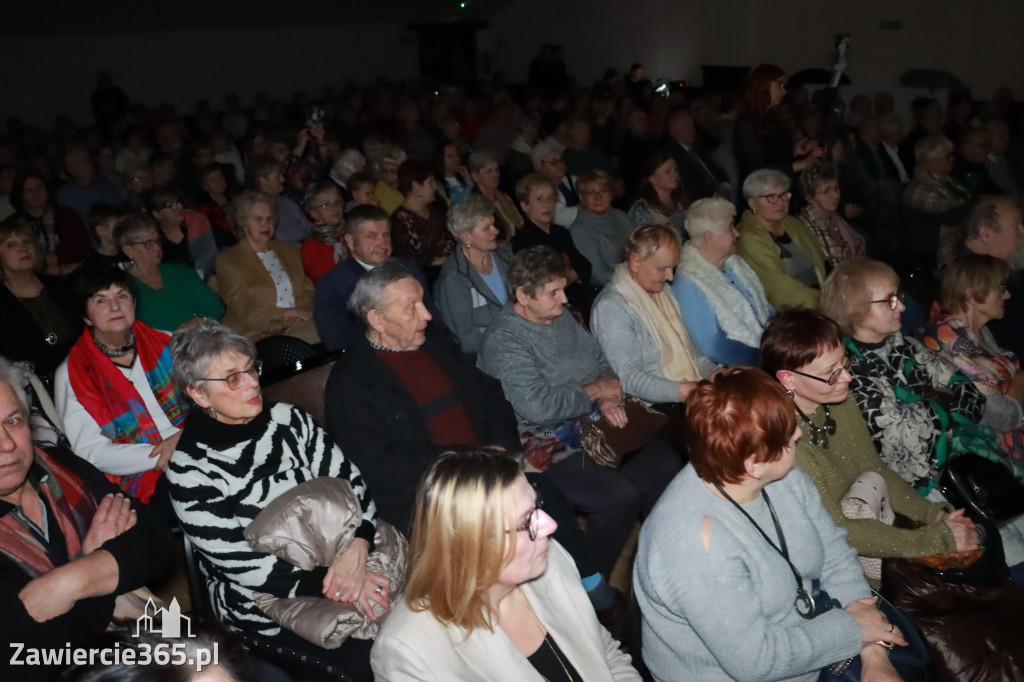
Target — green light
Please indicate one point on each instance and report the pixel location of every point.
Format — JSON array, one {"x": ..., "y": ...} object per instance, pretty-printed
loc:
[{"x": 462, "y": 5}]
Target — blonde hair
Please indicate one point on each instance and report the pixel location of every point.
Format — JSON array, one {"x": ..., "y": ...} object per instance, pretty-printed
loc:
[
  {"x": 970, "y": 277},
  {"x": 526, "y": 185},
  {"x": 846, "y": 296},
  {"x": 592, "y": 178},
  {"x": 245, "y": 202},
  {"x": 646, "y": 239},
  {"x": 459, "y": 542}
]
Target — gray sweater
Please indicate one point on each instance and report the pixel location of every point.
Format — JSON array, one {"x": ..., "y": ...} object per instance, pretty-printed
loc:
[
  {"x": 727, "y": 613},
  {"x": 602, "y": 239},
  {"x": 631, "y": 349},
  {"x": 467, "y": 305},
  {"x": 542, "y": 367}
]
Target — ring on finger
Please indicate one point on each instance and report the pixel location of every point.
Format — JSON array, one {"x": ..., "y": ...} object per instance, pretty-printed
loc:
[
  {"x": 337, "y": 594},
  {"x": 380, "y": 589},
  {"x": 891, "y": 627}
]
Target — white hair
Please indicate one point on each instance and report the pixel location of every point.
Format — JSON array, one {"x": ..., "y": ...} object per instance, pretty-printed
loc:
[
  {"x": 712, "y": 214},
  {"x": 349, "y": 161}
]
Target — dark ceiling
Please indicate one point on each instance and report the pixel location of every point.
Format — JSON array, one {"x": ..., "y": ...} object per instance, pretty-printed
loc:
[{"x": 86, "y": 17}]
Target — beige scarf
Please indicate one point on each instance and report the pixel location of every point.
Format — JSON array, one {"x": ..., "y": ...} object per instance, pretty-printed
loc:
[{"x": 663, "y": 320}]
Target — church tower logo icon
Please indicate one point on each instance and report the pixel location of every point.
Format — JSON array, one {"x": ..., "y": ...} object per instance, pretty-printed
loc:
[{"x": 166, "y": 622}]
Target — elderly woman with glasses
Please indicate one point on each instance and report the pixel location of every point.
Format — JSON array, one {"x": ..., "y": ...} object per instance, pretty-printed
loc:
[
  {"x": 238, "y": 454},
  {"x": 780, "y": 248},
  {"x": 819, "y": 186},
  {"x": 919, "y": 409},
  {"x": 167, "y": 294},
  {"x": 599, "y": 230},
  {"x": 803, "y": 350},
  {"x": 491, "y": 597}
]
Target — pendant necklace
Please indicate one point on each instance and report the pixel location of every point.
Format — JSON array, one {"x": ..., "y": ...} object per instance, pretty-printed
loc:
[{"x": 819, "y": 434}]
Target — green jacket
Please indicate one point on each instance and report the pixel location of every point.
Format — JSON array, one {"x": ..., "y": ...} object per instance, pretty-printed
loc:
[{"x": 756, "y": 246}]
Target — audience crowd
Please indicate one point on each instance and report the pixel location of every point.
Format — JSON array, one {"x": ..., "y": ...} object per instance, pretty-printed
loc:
[{"x": 544, "y": 303}]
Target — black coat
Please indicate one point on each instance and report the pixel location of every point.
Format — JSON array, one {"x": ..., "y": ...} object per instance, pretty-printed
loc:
[
  {"x": 375, "y": 420},
  {"x": 699, "y": 181},
  {"x": 22, "y": 337}
]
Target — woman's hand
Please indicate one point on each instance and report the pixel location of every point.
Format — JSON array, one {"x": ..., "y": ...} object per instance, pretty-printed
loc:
[
  {"x": 345, "y": 579},
  {"x": 375, "y": 589},
  {"x": 163, "y": 451},
  {"x": 964, "y": 531},
  {"x": 874, "y": 626},
  {"x": 686, "y": 388},
  {"x": 612, "y": 410},
  {"x": 603, "y": 388},
  {"x": 875, "y": 665},
  {"x": 113, "y": 516}
]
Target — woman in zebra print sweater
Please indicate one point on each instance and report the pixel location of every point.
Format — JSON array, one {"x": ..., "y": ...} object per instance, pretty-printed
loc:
[{"x": 235, "y": 456}]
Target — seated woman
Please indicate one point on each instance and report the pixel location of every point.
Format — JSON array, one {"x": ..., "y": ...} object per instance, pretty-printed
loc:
[
  {"x": 114, "y": 392},
  {"x": 725, "y": 304},
  {"x": 973, "y": 293},
  {"x": 662, "y": 198},
  {"x": 777, "y": 246},
  {"x": 215, "y": 203},
  {"x": 599, "y": 230},
  {"x": 547, "y": 160},
  {"x": 491, "y": 597},
  {"x": 60, "y": 231},
  {"x": 325, "y": 248},
  {"x": 553, "y": 372},
  {"x": 486, "y": 175},
  {"x": 167, "y": 294},
  {"x": 185, "y": 236},
  {"x": 908, "y": 395},
  {"x": 386, "y": 191},
  {"x": 39, "y": 317},
  {"x": 471, "y": 288},
  {"x": 819, "y": 186},
  {"x": 537, "y": 197},
  {"x": 261, "y": 280},
  {"x": 453, "y": 181},
  {"x": 418, "y": 227},
  {"x": 752, "y": 533},
  {"x": 235, "y": 457},
  {"x": 804, "y": 350},
  {"x": 640, "y": 326}
]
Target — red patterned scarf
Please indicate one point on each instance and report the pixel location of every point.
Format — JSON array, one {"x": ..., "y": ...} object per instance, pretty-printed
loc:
[
  {"x": 71, "y": 504},
  {"x": 114, "y": 403}
]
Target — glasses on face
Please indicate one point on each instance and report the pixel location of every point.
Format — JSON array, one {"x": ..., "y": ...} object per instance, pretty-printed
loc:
[
  {"x": 234, "y": 380},
  {"x": 172, "y": 204},
  {"x": 532, "y": 522},
  {"x": 145, "y": 243},
  {"x": 324, "y": 205},
  {"x": 828, "y": 191},
  {"x": 894, "y": 300},
  {"x": 833, "y": 377},
  {"x": 773, "y": 199}
]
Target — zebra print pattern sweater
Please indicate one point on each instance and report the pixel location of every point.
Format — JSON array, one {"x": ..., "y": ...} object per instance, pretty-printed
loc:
[{"x": 222, "y": 476}]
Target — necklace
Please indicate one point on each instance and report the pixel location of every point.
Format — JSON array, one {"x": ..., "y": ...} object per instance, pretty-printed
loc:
[
  {"x": 819, "y": 434},
  {"x": 116, "y": 352},
  {"x": 804, "y": 602},
  {"x": 38, "y": 307},
  {"x": 547, "y": 640}
]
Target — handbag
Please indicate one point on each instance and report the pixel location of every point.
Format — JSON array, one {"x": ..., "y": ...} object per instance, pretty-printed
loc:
[
  {"x": 607, "y": 444},
  {"x": 909, "y": 661},
  {"x": 986, "y": 489}
]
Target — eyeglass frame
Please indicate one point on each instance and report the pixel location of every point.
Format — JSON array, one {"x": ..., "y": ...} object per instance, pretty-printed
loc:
[
  {"x": 774, "y": 199},
  {"x": 833, "y": 378},
  {"x": 145, "y": 243},
  {"x": 894, "y": 300},
  {"x": 532, "y": 524},
  {"x": 257, "y": 365}
]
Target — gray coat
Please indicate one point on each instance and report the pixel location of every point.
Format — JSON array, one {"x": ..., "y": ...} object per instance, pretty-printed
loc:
[{"x": 467, "y": 305}]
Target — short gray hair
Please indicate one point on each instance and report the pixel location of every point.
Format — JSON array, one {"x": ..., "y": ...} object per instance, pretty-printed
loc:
[
  {"x": 370, "y": 289},
  {"x": 479, "y": 159},
  {"x": 467, "y": 213},
  {"x": 194, "y": 347},
  {"x": 244, "y": 204},
  {"x": 14, "y": 376},
  {"x": 349, "y": 161},
  {"x": 932, "y": 147},
  {"x": 760, "y": 181},
  {"x": 315, "y": 190},
  {"x": 712, "y": 214},
  {"x": 815, "y": 175},
  {"x": 131, "y": 226}
]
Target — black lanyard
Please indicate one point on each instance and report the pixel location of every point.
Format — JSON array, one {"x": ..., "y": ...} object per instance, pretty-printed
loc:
[{"x": 804, "y": 603}]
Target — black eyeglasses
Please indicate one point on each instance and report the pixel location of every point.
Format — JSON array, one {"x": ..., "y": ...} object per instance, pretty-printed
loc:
[
  {"x": 833, "y": 377},
  {"x": 234, "y": 380},
  {"x": 773, "y": 199},
  {"x": 145, "y": 243},
  {"x": 532, "y": 522},
  {"x": 893, "y": 300}
]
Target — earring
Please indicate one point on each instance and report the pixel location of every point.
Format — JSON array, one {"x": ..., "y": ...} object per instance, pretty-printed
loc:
[
  {"x": 212, "y": 412},
  {"x": 791, "y": 394}
]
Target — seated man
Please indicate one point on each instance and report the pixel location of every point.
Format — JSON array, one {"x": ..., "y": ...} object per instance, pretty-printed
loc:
[
  {"x": 325, "y": 248},
  {"x": 934, "y": 204},
  {"x": 994, "y": 229},
  {"x": 85, "y": 188},
  {"x": 404, "y": 393},
  {"x": 699, "y": 174},
  {"x": 264, "y": 174},
  {"x": 350, "y": 162},
  {"x": 971, "y": 167},
  {"x": 368, "y": 238},
  {"x": 69, "y": 542}
]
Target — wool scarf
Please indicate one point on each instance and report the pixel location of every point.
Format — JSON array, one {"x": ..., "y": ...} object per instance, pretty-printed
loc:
[
  {"x": 661, "y": 317},
  {"x": 741, "y": 320},
  {"x": 71, "y": 504},
  {"x": 116, "y": 406}
]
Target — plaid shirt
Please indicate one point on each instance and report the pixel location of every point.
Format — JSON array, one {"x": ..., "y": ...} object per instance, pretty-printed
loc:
[
  {"x": 1001, "y": 174},
  {"x": 839, "y": 242},
  {"x": 935, "y": 193}
]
